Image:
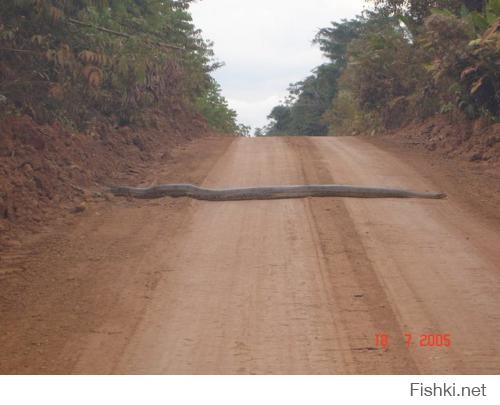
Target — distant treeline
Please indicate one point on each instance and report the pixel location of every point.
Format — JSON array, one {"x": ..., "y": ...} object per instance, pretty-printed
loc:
[
  {"x": 402, "y": 61},
  {"x": 77, "y": 61}
]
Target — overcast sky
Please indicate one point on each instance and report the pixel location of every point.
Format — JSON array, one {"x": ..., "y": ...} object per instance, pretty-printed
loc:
[{"x": 266, "y": 45}]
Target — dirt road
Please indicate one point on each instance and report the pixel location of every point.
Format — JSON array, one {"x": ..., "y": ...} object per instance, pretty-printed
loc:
[{"x": 288, "y": 286}]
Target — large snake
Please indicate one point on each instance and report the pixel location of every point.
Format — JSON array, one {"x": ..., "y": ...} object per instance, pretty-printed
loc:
[{"x": 268, "y": 193}]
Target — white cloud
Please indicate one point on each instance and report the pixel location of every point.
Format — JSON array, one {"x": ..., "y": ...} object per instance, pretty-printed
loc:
[
  {"x": 253, "y": 111},
  {"x": 266, "y": 45}
]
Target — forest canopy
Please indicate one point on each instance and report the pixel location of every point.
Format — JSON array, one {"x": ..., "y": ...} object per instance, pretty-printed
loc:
[
  {"x": 402, "y": 61},
  {"x": 79, "y": 60}
]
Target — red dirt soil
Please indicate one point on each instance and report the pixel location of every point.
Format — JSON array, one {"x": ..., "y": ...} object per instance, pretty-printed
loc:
[
  {"x": 48, "y": 172},
  {"x": 297, "y": 286},
  {"x": 476, "y": 141}
]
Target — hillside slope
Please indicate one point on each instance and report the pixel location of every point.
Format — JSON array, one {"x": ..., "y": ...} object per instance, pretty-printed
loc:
[
  {"x": 90, "y": 93},
  {"x": 48, "y": 172}
]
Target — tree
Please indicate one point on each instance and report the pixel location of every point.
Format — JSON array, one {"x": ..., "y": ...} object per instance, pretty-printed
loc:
[
  {"x": 418, "y": 10},
  {"x": 309, "y": 99},
  {"x": 313, "y": 98},
  {"x": 258, "y": 132},
  {"x": 333, "y": 41},
  {"x": 280, "y": 117},
  {"x": 383, "y": 70},
  {"x": 74, "y": 60},
  {"x": 215, "y": 108},
  {"x": 243, "y": 130}
]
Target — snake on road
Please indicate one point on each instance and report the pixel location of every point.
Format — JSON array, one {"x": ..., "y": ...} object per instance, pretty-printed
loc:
[{"x": 268, "y": 193}]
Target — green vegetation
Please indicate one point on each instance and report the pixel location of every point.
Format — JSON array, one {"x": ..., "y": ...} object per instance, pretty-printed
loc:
[
  {"x": 77, "y": 61},
  {"x": 307, "y": 102},
  {"x": 406, "y": 60}
]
